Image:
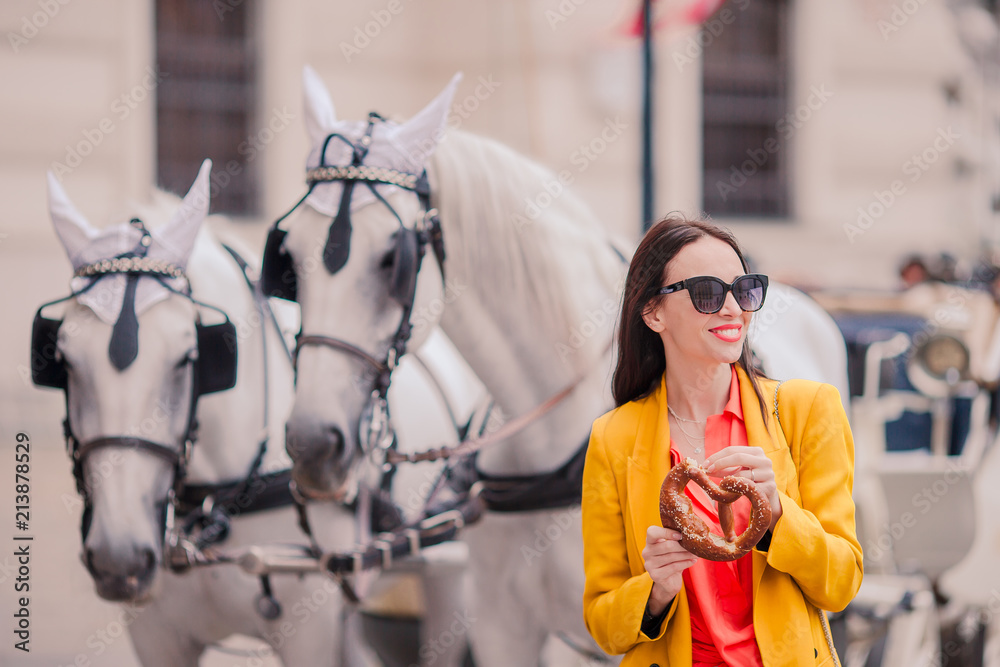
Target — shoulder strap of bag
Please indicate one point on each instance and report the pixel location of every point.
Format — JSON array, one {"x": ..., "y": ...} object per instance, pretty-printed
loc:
[
  {"x": 776, "y": 389},
  {"x": 822, "y": 614}
]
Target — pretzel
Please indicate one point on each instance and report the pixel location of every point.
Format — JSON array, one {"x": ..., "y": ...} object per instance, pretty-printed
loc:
[{"x": 676, "y": 512}]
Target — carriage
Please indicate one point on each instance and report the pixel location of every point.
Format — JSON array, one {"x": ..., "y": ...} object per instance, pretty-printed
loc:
[{"x": 923, "y": 389}]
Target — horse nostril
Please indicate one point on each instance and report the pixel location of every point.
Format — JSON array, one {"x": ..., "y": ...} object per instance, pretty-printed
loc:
[
  {"x": 150, "y": 559},
  {"x": 88, "y": 560},
  {"x": 290, "y": 443},
  {"x": 336, "y": 437},
  {"x": 315, "y": 443}
]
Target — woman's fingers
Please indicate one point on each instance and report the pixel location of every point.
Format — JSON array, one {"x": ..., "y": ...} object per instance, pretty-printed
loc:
[
  {"x": 753, "y": 464},
  {"x": 733, "y": 460},
  {"x": 663, "y": 549},
  {"x": 663, "y": 560},
  {"x": 669, "y": 573},
  {"x": 663, "y": 566},
  {"x": 657, "y": 533}
]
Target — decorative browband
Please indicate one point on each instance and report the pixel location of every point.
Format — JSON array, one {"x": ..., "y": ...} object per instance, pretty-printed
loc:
[
  {"x": 145, "y": 265},
  {"x": 362, "y": 173}
]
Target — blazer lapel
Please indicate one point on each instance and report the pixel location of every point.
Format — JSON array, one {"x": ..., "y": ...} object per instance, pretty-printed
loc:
[
  {"x": 759, "y": 434},
  {"x": 648, "y": 466},
  {"x": 769, "y": 436}
]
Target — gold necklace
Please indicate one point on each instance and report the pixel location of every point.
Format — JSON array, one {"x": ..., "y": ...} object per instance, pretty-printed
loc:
[
  {"x": 698, "y": 449},
  {"x": 681, "y": 419}
]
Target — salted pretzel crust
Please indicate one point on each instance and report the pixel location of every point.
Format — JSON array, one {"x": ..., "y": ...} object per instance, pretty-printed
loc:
[{"x": 676, "y": 512}]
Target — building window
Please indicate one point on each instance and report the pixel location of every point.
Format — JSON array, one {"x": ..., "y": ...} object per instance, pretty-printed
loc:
[
  {"x": 206, "y": 99},
  {"x": 745, "y": 97}
]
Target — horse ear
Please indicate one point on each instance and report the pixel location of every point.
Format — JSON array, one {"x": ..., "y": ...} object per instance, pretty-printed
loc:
[
  {"x": 320, "y": 117},
  {"x": 420, "y": 135},
  {"x": 177, "y": 236},
  {"x": 73, "y": 230}
]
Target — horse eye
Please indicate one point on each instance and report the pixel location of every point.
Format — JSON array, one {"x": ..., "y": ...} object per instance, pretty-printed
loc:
[
  {"x": 387, "y": 260},
  {"x": 191, "y": 355}
]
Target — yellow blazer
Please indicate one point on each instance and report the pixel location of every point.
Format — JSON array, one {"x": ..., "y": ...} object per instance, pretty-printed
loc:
[{"x": 814, "y": 560}]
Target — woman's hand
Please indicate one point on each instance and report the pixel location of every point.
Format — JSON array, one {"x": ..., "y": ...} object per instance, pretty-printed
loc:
[
  {"x": 665, "y": 560},
  {"x": 753, "y": 464}
]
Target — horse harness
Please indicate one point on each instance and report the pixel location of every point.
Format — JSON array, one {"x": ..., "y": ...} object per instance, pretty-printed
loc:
[
  {"x": 214, "y": 364},
  {"x": 209, "y": 507},
  {"x": 559, "y": 488},
  {"x": 205, "y": 507},
  {"x": 278, "y": 277}
]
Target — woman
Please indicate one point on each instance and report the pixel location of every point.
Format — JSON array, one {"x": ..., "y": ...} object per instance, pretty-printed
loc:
[{"x": 685, "y": 388}]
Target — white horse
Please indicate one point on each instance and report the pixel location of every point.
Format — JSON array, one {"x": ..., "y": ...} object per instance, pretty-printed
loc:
[
  {"x": 794, "y": 337},
  {"x": 137, "y": 412},
  {"x": 528, "y": 303},
  {"x": 527, "y": 288}
]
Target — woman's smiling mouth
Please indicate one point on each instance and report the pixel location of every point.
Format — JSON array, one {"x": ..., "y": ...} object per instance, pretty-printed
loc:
[{"x": 729, "y": 333}]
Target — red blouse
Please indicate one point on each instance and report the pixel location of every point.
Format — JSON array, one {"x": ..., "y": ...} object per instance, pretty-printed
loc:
[{"x": 720, "y": 595}]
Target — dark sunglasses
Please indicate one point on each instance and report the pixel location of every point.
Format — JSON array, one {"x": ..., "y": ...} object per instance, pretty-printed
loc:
[{"x": 708, "y": 293}]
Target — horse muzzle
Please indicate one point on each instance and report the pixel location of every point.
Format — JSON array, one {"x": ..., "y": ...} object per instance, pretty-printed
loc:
[
  {"x": 323, "y": 464},
  {"x": 128, "y": 580}
]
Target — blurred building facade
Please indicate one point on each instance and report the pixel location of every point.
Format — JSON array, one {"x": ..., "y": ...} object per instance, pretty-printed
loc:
[
  {"x": 857, "y": 96},
  {"x": 833, "y": 137}
]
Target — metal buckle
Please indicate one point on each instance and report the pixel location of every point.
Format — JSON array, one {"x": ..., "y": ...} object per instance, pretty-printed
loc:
[
  {"x": 384, "y": 544},
  {"x": 443, "y": 518},
  {"x": 178, "y": 554},
  {"x": 376, "y": 429},
  {"x": 186, "y": 450},
  {"x": 413, "y": 535},
  {"x": 428, "y": 216}
]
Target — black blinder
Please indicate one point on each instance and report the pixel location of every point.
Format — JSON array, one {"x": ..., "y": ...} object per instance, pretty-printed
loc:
[
  {"x": 405, "y": 266},
  {"x": 277, "y": 274},
  {"x": 215, "y": 369},
  {"x": 47, "y": 370}
]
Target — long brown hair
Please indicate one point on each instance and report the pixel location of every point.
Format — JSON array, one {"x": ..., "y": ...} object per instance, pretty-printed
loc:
[{"x": 641, "y": 361}]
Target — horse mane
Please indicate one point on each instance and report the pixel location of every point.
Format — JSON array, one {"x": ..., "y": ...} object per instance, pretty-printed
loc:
[{"x": 516, "y": 225}]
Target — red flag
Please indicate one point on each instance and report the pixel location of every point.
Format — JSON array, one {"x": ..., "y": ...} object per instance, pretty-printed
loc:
[
  {"x": 698, "y": 11},
  {"x": 677, "y": 12}
]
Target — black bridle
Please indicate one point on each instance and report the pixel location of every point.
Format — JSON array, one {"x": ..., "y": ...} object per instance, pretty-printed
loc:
[
  {"x": 49, "y": 370},
  {"x": 411, "y": 245}
]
